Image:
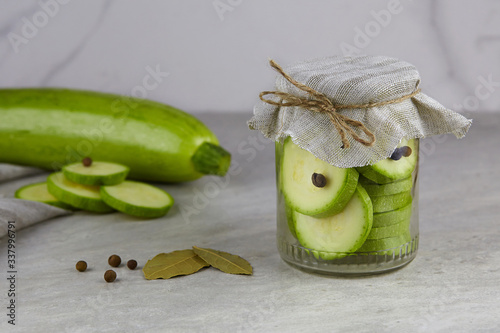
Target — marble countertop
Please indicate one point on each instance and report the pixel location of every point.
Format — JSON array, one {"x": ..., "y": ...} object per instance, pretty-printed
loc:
[
  {"x": 213, "y": 55},
  {"x": 452, "y": 285}
]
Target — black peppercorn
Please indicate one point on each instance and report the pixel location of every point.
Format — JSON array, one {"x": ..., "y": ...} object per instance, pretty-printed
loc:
[
  {"x": 318, "y": 180},
  {"x": 87, "y": 161},
  {"x": 114, "y": 260},
  {"x": 81, "y": 266},
  {"x": 110, "y": 275},
  {"x": 132, "y": 264}
]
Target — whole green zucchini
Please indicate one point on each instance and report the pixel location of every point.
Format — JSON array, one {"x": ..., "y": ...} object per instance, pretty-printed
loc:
[{"x": 49, "y": 128}]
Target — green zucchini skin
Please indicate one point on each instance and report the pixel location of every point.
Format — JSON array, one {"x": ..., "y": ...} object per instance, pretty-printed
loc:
[{"x": 50, "y": 127}]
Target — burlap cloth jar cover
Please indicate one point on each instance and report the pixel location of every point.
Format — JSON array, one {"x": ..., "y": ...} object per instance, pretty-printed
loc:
[{"x": 391, "y": 107}]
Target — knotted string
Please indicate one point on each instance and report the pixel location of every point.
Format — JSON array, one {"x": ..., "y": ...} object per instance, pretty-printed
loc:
[{"x": 319, "y": 102}]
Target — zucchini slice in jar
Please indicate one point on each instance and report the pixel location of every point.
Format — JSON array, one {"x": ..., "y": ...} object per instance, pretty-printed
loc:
[
  {"x": 314, "y": 187},
  {"x": 337, "y": 235}
]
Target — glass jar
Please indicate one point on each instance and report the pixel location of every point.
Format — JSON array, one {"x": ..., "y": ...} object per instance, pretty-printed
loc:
[{"x": 355, "y": 221}]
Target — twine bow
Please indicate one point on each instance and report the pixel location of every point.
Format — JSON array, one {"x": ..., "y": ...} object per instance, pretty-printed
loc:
[{"x": 319, "y": 102}]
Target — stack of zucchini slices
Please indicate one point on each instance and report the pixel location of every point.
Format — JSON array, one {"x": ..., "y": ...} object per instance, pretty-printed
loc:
[
  {"x": 99, "y": 187},
  {"x": 389, "y": 184},
  {"x": 336, "y": 211}
]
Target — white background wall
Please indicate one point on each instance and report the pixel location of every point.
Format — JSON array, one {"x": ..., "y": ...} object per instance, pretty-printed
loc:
[{"x": 216, "y": 51}]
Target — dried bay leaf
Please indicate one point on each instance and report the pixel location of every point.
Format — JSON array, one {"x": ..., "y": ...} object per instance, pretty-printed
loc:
[
  {"x": 167, "y": 265},
  {"x": 226, "y": 262}
]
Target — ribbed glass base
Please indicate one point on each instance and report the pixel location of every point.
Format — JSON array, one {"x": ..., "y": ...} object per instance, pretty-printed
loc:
[{"x": 352, "y": 264}]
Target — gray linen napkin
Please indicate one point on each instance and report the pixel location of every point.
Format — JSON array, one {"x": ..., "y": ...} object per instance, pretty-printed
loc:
[
  {"x": 10, "y": 171},
  {"x": 23, "y": 212}
]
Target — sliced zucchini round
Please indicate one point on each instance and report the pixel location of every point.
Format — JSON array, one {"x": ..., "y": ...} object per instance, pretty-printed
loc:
[
  {"x": 337, "y": 235},
  {"x": 394, "y": 230},
  {"x": 39, "y": 192},
  {"x": 389, "y": 170},
  {"x": 85, "y": 197},
  {"x": 387, "y": 203},
  {"x": 373, "y": 189},
  {"x": 312, "y": 186},
  {"x": 137, "y": 199},
  {"x": 392, "y": 217},
  {"x": 375, "y": 245},
  {"x": 98, "y": 173},
  {"x": 290, "y": 220}
]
